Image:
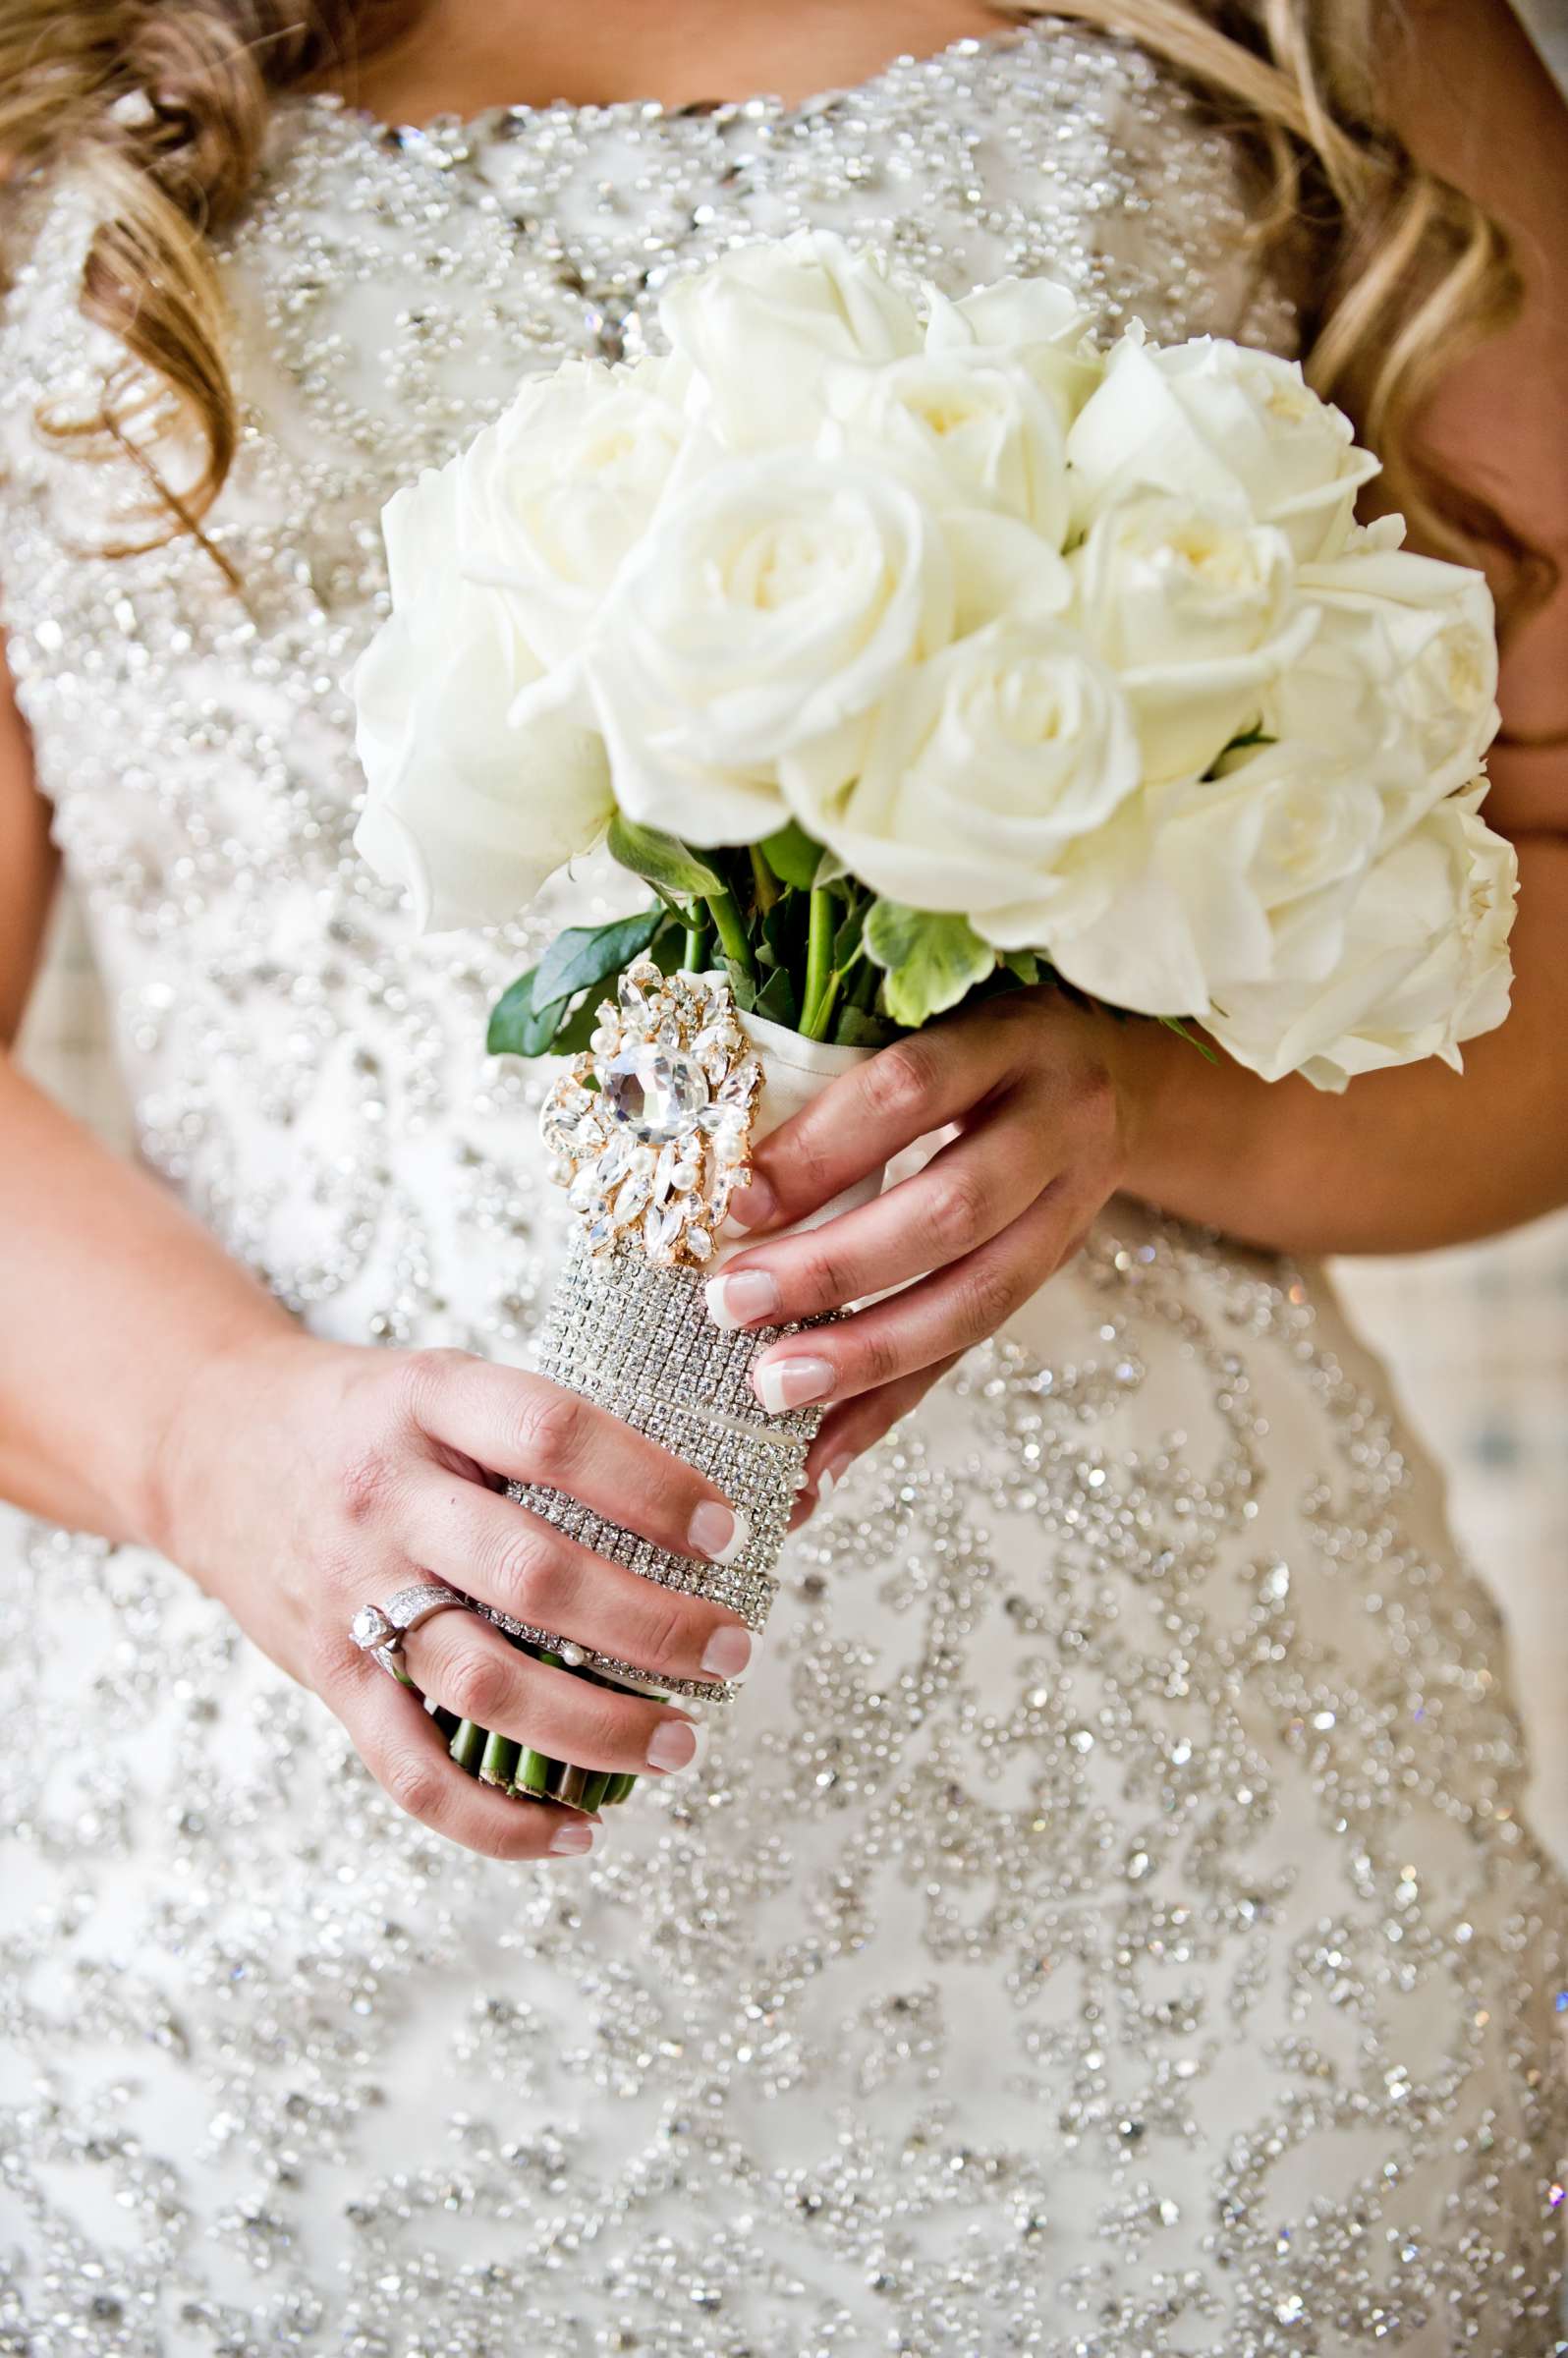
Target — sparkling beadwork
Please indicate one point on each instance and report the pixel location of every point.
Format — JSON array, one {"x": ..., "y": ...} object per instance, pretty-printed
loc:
[{"x": 828, "y": 2046}]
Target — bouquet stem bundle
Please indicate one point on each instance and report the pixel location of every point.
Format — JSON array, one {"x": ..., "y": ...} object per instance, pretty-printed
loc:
[{"x": 496, "y": 1760}]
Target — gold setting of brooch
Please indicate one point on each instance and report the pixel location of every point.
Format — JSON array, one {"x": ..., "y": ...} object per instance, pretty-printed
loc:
[{"x": 649, "y": 1131}]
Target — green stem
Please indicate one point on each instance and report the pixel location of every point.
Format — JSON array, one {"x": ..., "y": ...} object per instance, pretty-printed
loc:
[
  {"x": 693, "y": 948},
  {"x": 823, "y": 1012},
  {"x": 819, "y": 961},
  {"x": 498, "y": 1766},
  {"x": 731, "y": 929},
  {"x": 868, "y": 983},
  {"x": 467, "y": 1746}
]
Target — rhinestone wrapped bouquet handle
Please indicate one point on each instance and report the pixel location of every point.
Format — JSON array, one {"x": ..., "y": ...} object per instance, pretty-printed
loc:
[{"x": 649, "y": 1129}]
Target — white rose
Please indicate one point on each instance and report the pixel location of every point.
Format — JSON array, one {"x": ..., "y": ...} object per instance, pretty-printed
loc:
[
  {"x": 1033, "y": 323},
  {"x": 1403, "y": 668},
  {"x": 756, "y": 326},
  {"x": 469, "y": 814},
  {"x": 766, "y": 611},
  {"x": 1193, "y": 888},
  {"x": 1424, "y": 966},
  {"x": 1196, "y": 614},
  {"x": 553, "y": 495},
  {"x": 970, "y": 429},
  {"x": 1225, "y": 426},
  {"x": 987, "y": 761}
]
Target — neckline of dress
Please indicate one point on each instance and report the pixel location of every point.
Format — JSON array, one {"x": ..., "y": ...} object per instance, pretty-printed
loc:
[{"x": 445, "y": 129}]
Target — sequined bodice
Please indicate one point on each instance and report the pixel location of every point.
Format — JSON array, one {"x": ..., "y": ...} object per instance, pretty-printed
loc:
[
  {"x": 1104, "y": 1925},
  {"x": 277, "y": 1025}
]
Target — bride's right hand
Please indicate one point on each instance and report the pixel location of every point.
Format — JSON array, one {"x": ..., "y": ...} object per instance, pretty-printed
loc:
[{"x": 305, "y": 1479}]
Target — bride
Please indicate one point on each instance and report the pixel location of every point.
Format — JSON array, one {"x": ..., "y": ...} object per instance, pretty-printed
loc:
[{"x": 1103, "y": 1923}]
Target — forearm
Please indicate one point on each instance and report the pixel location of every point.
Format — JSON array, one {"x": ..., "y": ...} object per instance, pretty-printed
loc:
[
  {"x": 116, "y": 1300},
  {"x": 1402, "y": 1161}
]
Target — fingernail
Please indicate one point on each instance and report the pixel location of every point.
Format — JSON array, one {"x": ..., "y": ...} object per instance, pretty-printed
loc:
[
  {"x": 781, "y": 1383},
  {"x": 727, "y": 1652},
  {"x": 753, "y": 1203},
  {"x": 735, "y": 1300},
  {"x": 833, "y": 1474},
  {"x": 721, "y": 1533},
  {"x": 676, "y": 1744},
  {"x": 573, "y": 1838}
]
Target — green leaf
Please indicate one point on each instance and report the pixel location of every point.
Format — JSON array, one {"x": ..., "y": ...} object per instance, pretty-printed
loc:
[
  {"x": 668, "y": 863},
  {"x": 1174, "y": 1023},
  {"x": 584, "y": 955},
  {"x": 780, "y": 931},
  {"x": 578, "y": 1029},
  {"x": 847, "y": 940},
  {"x": 776, "y": 999},
  {"x": 855, "y": 1028},
  {"x": 1257, "y": 735},
  {"x": 517, "y": 1026},
  {"x": 667, "y": 949},
  {"x": 741, "y": 984},
  {"x": 791, "y": 855},
  {"x": 1021, "y": 963},
  {"x": 931, "y": 960}
]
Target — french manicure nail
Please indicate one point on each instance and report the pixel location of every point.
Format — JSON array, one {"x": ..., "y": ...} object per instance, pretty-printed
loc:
[
  {"x": 752, "y": 1204},
  {"x": 782, "y": 1383},
  {"x": 735, "y": 1301},
  {"x": 833, "y": 1474},
  {"x": 575, "y": 1836},
  {"x": 721, "y": 1533},
  {"x": 727, "y": 1652},
  {"x": 676, "y": 1744}
]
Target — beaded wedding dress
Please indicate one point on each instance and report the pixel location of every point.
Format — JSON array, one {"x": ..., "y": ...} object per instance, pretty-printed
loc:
[{"x": 1104, "y": 1922}]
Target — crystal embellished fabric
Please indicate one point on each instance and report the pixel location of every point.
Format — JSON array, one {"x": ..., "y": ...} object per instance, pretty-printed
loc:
[{"x": 1102, "y": 1922}]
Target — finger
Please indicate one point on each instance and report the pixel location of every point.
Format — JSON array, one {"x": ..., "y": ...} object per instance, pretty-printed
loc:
[
  {"x": 467, "y": 1666},
  {"x": 967, "y": 1194},
  {"x": 404, "y": 1750},
  {"x": 490, "y": 1547},
  {"x": 531, "y": 1430},
  {"x": 867, "y": 1116},
  {"x": 847, "y": 1432},
  {"x": 925, "y": 1322}
]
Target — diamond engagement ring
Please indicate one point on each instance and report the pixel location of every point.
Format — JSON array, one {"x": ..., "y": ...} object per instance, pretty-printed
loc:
[{"x": 380, "y": 1629}]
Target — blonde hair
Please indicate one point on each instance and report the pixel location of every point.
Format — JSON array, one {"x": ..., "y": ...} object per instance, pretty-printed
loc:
[{"x": 164, "y": 104}]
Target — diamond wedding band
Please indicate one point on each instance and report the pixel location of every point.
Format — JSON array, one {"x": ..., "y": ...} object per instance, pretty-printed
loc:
[{"x": 380, "y": 1629}]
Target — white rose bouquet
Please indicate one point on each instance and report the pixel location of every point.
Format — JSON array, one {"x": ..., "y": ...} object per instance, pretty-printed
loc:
[{"x": 911, "y": 649}]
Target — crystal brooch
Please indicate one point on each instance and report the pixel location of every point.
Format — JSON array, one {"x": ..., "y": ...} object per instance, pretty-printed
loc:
[{"x": 649, "y": 1129}]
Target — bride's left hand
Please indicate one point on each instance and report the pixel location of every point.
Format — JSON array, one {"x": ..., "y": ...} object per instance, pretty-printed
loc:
[{"x": 1039, "y": 1089}]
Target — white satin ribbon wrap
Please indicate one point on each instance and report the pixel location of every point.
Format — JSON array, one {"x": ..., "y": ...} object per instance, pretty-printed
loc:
[{"x": 793, "y": 1072}]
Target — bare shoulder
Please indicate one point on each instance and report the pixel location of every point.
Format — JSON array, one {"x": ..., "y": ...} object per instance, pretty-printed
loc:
[
  {"x": 1469, "y": 95},
  {"x": 28, "y": 862}
]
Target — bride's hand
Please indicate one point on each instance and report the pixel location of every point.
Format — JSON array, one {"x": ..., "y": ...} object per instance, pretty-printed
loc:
[
  {"x": 307, "y": 1479},
  {"x": 1038, "y": 1090}
]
